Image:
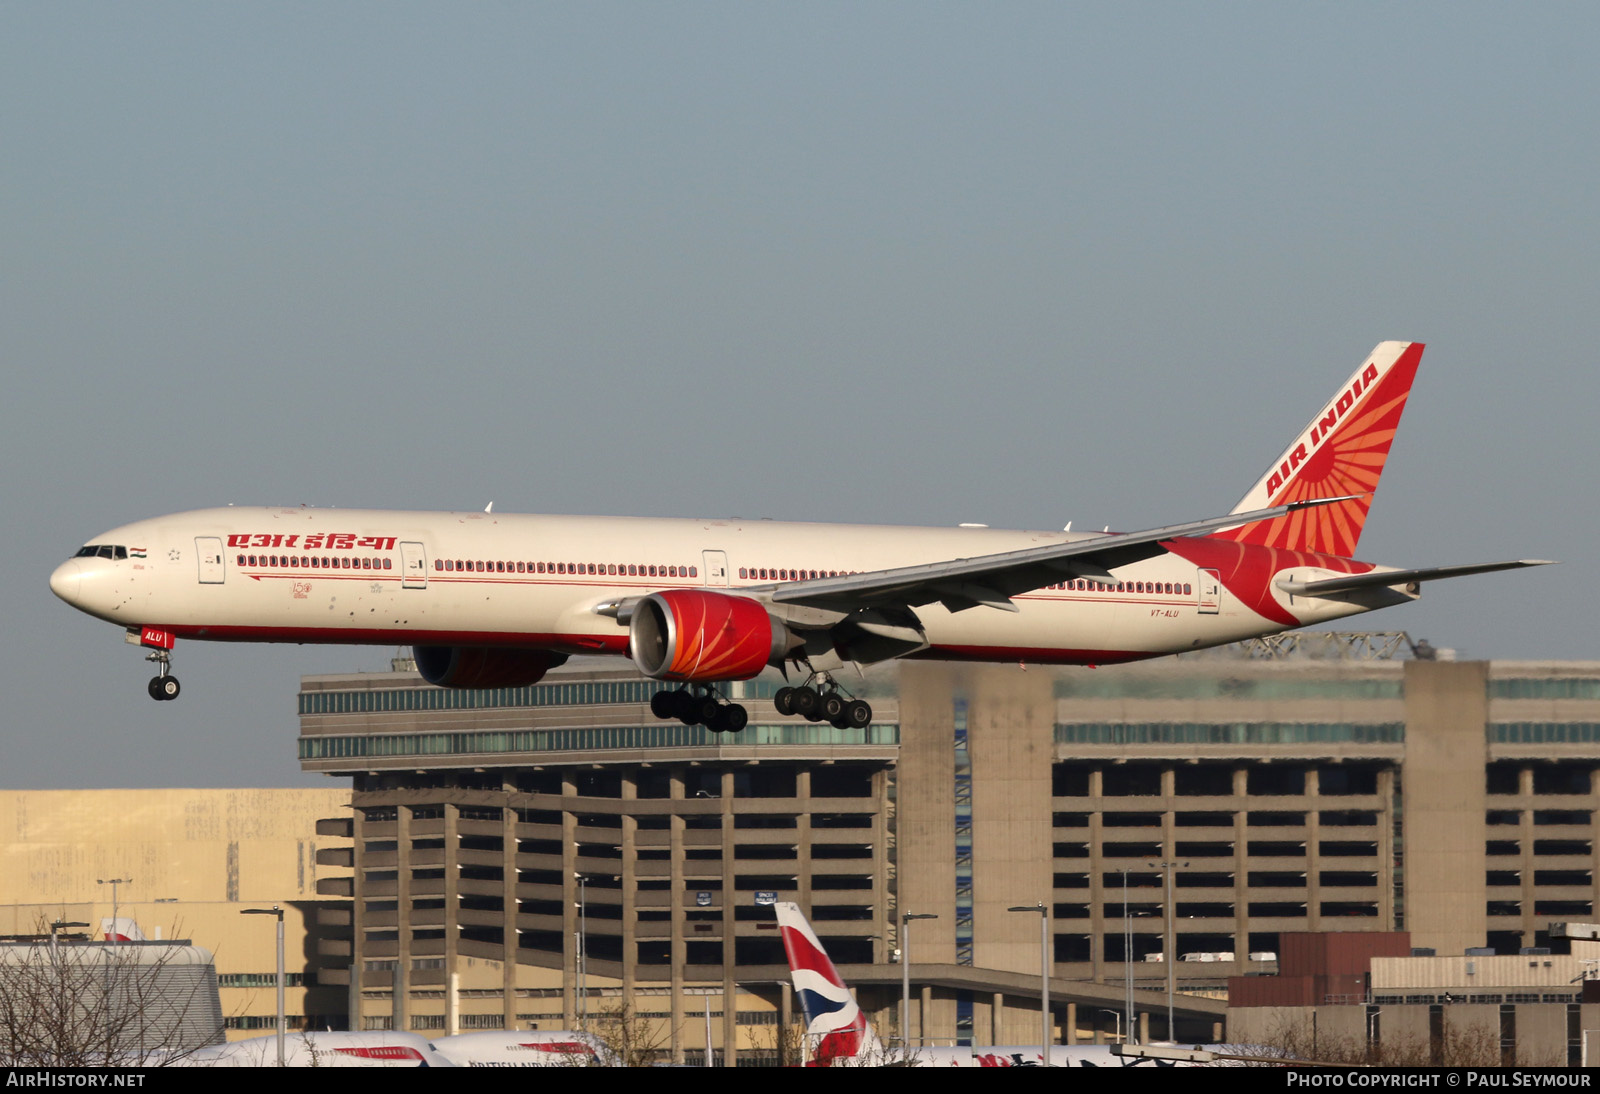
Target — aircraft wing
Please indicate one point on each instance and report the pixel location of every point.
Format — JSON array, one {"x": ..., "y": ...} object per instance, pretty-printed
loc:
[
  {"x": 992, "y": 580},
  {"x": 1382, "y": 578}
]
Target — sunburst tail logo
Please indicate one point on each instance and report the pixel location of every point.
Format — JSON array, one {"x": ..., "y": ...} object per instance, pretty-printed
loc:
[{"x": 1340, "y": 452}]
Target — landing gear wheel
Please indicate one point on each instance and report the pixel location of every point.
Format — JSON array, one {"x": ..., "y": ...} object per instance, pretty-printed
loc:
[
  {"x": 833, "y": 705},
  {"x": 806, "y": 701},
  {"x": 708, "y": 710},
  {"x": 661, "y": 704},
  {"x": 718, "y": 722},
  {"x": 155, "y": 689},
  {"x": 164, "y": 687},
  {"x": 857, "y": 714},
  {"x": 734, "y": 718},
  {"x": 784, "y": 698},
  {"x": 685, "y": 707}
]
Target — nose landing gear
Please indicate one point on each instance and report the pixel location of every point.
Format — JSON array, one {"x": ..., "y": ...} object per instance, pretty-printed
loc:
[{"x": 163, "y": 685}]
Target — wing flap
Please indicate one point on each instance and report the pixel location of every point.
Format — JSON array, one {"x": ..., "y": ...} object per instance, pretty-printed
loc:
[{"x": 992, "y": 580}]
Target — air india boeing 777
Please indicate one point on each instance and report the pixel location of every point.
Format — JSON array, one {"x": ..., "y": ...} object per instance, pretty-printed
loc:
[{"x": 495, "y": 600}]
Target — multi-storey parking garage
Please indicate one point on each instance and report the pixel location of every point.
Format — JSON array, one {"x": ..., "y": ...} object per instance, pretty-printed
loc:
[{"x": 498, "y": 835}]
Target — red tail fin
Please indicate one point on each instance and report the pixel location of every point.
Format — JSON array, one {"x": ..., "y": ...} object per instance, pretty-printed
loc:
[{"x": 1340, "y": 451}]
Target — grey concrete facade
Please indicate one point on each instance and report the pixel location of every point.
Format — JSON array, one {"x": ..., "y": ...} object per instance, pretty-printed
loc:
[{"x": 1455, "y": 800}]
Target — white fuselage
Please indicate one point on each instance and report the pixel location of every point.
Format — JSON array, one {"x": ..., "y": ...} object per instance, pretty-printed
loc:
[{"x": 396, "y": 577}]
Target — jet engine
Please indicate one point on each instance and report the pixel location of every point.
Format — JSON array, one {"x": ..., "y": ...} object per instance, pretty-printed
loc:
[
  {"x": 483, "y": 666},
  {"x": 699, "y": 636}
]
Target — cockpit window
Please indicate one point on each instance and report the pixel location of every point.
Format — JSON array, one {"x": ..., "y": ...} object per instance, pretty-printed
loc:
[
  {"x": 87, "y": 552},
  {"x": 102, "y": 550}
]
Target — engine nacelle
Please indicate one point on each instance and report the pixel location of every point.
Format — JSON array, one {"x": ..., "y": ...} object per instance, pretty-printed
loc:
[
  {"x": 483, "y": 666},
  {"x": 699, "y": 636}
]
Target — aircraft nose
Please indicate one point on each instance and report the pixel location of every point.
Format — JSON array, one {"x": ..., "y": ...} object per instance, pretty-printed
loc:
[{"x": 64, "y": 582}]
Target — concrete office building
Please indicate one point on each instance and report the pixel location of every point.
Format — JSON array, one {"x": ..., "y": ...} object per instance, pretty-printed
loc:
[{"x": 1454, "y": 800}]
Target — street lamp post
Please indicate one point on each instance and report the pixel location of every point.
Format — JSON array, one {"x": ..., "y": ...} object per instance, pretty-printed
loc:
[
  {"x": 58, "y": 979},
  {"x": 1127, "y": 957},
  {"x": 56, "y": 925},
  {"x": 1169, "y": 944},
  {"x": 580, "y": 963},
  {"x": 905, "y": 976},
  {"x": 115, "y": 907},
  {"x": 1044, "y": 974},
  {"x": 283, "y": 1022},
  {"x": 111, "y": 966}
]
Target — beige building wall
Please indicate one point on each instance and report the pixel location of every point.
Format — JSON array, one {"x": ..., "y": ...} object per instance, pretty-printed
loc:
[
  {"x": 194, "y": 859},
  {"x": 926, "y": 818},
  {"x": 1010, "y": 734},
  {"x": 1445, "y": 797},
  {"x": 179, "y": 844},
  {"x": 1011, "y": 728},
  {"x": 1472, "y": 975}
]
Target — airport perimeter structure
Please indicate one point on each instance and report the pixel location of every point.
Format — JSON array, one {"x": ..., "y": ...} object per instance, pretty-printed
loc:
[{"x": 496, "y": 834}]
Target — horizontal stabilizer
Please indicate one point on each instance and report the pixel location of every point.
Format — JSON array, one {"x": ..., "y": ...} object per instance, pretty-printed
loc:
[{"x": 1386, "y": 578}]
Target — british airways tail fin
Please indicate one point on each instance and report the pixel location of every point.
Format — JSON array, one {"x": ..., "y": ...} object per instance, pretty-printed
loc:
[
  {"x": 1340, "y": 452},
  {"x": 842, "y": 1033}
]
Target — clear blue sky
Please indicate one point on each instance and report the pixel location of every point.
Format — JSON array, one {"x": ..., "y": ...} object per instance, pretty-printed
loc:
[{"x": 908, "y": 263}]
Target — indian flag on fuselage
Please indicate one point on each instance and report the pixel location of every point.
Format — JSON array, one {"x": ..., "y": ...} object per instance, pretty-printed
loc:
[{"x": 1341, "y": 451}]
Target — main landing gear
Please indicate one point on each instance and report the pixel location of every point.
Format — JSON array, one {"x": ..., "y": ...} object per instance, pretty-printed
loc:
[
  {"x": 165, "y": 685},
  {"x": 700, "y": 706},
  {"x": 826, "y": 705}
]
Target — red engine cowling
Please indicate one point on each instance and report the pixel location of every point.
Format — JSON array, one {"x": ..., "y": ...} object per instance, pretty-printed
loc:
[
  {"x": 483, "y": 666},
  {"x": 698, "y": 635}
]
